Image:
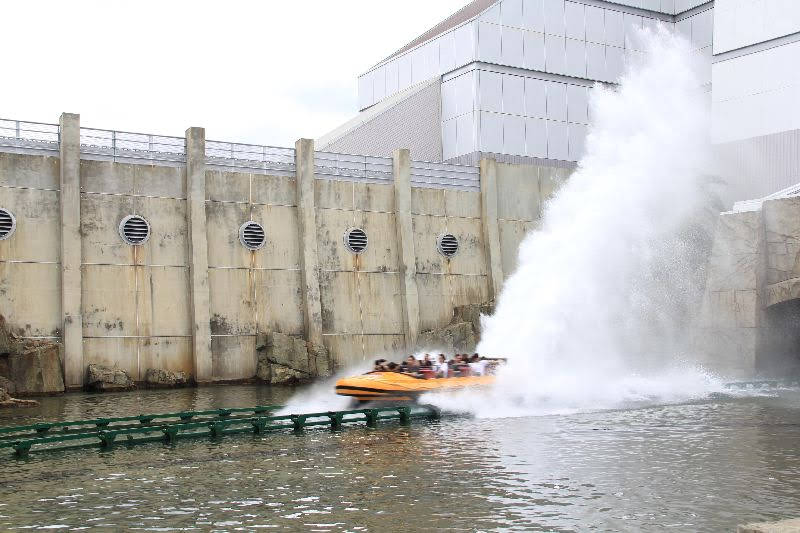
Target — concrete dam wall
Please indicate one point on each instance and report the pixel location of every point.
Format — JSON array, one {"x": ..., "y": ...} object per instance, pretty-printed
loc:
[{"x": 193, "y": 297}]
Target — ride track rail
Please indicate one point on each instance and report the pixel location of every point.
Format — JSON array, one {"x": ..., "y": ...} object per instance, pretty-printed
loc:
[{"x": 103, "y": 432}]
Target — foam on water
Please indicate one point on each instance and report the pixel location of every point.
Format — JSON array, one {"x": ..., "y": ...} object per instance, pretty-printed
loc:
[{"x": 596, "y": 315}]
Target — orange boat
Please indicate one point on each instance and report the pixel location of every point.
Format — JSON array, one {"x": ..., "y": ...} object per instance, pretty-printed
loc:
[{"x": 398, "y": 387}]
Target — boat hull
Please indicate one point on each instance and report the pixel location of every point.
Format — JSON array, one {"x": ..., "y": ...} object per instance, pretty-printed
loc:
[{"x": 397, "y": 387}]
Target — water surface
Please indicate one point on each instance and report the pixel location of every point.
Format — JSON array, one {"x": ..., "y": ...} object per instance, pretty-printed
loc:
[{"x": 704, "y": 466}]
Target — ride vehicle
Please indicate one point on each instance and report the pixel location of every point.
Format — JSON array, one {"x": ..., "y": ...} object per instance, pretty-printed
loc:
[{"x": 389, "y": 386}]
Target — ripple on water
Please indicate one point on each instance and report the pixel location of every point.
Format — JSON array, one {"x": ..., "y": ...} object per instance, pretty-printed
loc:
[{"x": 700, "y": 466}]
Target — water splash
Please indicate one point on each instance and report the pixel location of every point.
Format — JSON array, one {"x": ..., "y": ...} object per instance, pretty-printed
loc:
[{"x": 596, "y": 315}]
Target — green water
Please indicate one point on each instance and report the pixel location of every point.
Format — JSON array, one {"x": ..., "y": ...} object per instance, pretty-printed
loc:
[{"x": 704, "y": 466}]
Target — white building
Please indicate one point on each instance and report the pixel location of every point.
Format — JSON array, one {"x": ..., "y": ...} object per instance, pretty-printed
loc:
[{"x": 511, "y": 79}]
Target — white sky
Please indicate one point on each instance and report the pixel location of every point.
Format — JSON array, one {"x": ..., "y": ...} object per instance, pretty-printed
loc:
[{"x": 264, "y": 72}]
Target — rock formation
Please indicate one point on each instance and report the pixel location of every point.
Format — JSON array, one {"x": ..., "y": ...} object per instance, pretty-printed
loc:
[
  {"x": 157, "y": 378},
  {"x": 285, "y": 360},
  {"x": 461, "y": 334},
  {"x": 104, "y": 379},
  {"x": 29, "y": 366},
  {"x": 7, "y": 401}
]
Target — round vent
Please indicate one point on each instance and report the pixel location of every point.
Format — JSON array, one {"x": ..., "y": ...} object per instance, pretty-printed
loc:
[
  {"x": 355, "y": 239},
  {"x": 252, "y": 235},
  {"x": 134, "y": 230},
  {"x": 7, "y": 224},
  {"x": 447, "y": 245}
]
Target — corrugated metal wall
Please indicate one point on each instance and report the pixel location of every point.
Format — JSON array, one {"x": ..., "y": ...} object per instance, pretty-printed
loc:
[
  {"x": 760, "y": 166},
  {"x": 413, "y": 123}
]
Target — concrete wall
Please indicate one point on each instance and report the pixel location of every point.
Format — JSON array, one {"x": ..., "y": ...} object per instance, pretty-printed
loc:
[
  {"x": 135, "y": 299},
  {"x": 30, "y": 260},
  {"x": 140, "y": 307},
  {"x": 522, "y": 206},
  {"x": 753, "y": 282},
  {"x": 251, "y": 292},
  {"x": 360, "y": 294},
  {"x": 442, "y": 283}
]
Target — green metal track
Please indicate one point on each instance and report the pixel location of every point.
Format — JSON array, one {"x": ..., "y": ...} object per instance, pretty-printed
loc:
[{"x": 105, "y": 432}]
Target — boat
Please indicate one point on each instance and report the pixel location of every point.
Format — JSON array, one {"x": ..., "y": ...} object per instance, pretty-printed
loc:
[{"x": 400, "y": 387}]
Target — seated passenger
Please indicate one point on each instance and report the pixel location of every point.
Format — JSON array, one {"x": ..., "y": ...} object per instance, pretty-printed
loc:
[
  {"x": 393, "y": 367},
  {"x": 426, "y": 361},
  {"x": 477, "y": 366},
  {"x": 442, "y": 368},
  {"x": 380, "y": 365},
  {"x": 412, "y": 365}
]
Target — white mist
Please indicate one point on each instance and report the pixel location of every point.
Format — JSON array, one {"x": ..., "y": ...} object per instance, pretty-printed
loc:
[{"x": 595, "y": 315}]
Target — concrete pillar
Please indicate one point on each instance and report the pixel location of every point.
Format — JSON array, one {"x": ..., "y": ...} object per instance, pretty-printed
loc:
[
  {"x": 307, "y": 217},
  {"x": 401, "y": 170},
  {"x": 491, "y": 231},
  {"x": 70, "y": 200},
  {"x": 198, "y": 253}
]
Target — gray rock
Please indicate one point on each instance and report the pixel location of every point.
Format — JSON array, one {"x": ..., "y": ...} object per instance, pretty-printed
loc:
[
  {"x": 319, "y": 360},
  {"x": 29, "y": 366},
  {"x": 264, "y": 370},
  {"x": 156, "y": 377},
  {"x": 282, "y": 375},
  {"x": 285, "y": 359},
  {"x": 102, "y": 378},
  {"x": 471, "y": 313},
  {"x": 463, "y": 332},
  {"x": 7, "y": 385},
  {"x": 275, "y": 374},
  {"x": 7, "y": 401}
]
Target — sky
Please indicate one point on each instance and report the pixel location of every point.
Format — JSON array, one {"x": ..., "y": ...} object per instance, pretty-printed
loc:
[{"x": 261, "y": 72}]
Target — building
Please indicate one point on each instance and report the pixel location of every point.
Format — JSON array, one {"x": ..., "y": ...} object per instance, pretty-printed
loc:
[{"x": 511, "y": 79}]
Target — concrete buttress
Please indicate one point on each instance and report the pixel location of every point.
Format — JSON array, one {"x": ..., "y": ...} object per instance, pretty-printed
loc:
[
  {"x": 70, "y": 200},
  {"x": 309, "y": 268},
  {"x": 401, "y": 169},
  {"x": 491, "y": 231},
  {"x": 198, "y": 254}
]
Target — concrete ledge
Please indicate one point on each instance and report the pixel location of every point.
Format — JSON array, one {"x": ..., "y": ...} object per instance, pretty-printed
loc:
[
  {"x": 784, "y": 526},
  {"x": 783, "y": 292}
]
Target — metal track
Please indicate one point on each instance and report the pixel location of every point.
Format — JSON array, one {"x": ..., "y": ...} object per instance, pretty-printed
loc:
[{"x": 105, "y": 432}]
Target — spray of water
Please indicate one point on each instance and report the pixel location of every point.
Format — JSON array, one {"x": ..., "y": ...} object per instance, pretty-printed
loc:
[{"x": 597, "y": 313}]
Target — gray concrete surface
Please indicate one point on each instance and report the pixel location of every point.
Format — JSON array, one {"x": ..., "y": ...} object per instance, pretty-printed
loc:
[
  {"x": 192, "y": 299},
  {"x": 401, "y": 165},
  {"x": 71, "y": 273}
]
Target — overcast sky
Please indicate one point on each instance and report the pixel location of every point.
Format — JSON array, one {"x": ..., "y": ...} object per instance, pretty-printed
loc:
[{"x": 264, "y": 72}]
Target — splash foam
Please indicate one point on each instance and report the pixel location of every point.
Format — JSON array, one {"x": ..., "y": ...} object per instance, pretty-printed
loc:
[{"x": 596, "y": 314}]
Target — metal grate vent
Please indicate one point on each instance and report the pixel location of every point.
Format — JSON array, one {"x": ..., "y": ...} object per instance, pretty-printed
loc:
[
  {"x": 447, "y": 245},
  {"x": 252, "y": 236},
  {"x": 134, "y": 230},
  {"x": 355, "y": 239},
  {"x": 7, "y": 224}
]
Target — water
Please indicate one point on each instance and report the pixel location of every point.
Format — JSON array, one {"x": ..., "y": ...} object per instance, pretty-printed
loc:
[
  {"x": 698, "y": 466},
  {"x": 597, "y": 312}
]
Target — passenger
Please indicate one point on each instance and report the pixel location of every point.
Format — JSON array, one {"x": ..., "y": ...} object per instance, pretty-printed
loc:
[
  {"x": 453, "y": 365},
  {"x": 393, "y": 367},
  {"x": 426, "y": 361},
  {"x": 380, "y": 365},
  {"x": 477, "y": 366},
  {"x": 442, "y": 368},
  {"x": 412, "y": 365},
  {"x": 462, "y": 364}
]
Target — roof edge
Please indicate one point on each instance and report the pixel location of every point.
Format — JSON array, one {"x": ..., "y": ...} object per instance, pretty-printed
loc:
[{"x": 466, "y": 14}]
